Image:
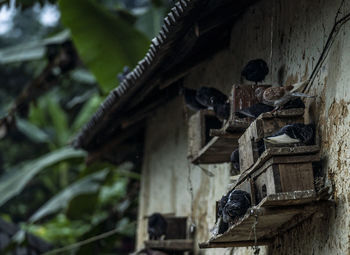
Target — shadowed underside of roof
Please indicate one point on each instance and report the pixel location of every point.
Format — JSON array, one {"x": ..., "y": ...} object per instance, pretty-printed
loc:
[{"x": 192, "y": 31}]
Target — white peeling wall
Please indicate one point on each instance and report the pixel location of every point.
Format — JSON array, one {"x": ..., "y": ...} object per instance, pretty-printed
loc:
[{"x": 296, "y": 31}]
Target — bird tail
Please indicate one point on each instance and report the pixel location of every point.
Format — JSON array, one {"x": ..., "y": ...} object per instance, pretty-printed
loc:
[
  {"x": 243, "y": 114},
  {"x": 299, "y": 94},
  {"x": 299, "y": 85},
  {"x": 281, "y": 139}
]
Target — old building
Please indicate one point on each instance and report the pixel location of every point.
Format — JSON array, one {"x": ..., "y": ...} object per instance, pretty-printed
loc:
[{"x": 206, "y": 43}]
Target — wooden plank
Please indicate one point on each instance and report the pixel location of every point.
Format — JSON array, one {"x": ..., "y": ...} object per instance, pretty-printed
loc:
[
  {"x": 297, "y": 176},
  {"x": 289, "y": 198},
  {"x": 195, "y": 134},
  {"x": 236, "y": 125},
  {"x": 295, "y": 155},
  {"x": 266, "y": 124},
  {"x": 171, "y": 245},
  {"x": 218, "y": 150},
  {"x": 223, "y": 133},
  {"x": 289, "y": 209},
  {"x": 279, "y": 178},
  {"x": 177, "y": 228},
  {"x": 243, "y": 96},
  {"x": 283, "y": 113},
  {"x": 247, "y": 154},
  {"x": 206, "y": 245}
]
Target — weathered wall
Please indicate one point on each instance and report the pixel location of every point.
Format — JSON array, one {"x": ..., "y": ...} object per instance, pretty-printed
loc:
[{"x": 296, "y": 31}]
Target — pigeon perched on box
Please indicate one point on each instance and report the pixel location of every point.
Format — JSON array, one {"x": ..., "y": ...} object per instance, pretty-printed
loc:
[
  {"x": 222, "y": 111},
  {"x": 279, "y": 96},
  {"x": 210, "y": 96},
  {"x": 255, "y": 70},
  {"x": 294, "y": 133},
  {"x": 237, "y": 204},
  {"x": 157, "y": 226},
  {"x": 254, "y": 111},
  {"x": 235, "y": 159},
  {"x": 221, "y": 225}
]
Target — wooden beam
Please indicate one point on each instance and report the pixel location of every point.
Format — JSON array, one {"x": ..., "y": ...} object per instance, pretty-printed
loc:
[
  {"x": 98, "y": 154},
  {"x": 171, "y": 245},
  {"x": 206, "y": 245},
  {"x": 224, "y": 134}
]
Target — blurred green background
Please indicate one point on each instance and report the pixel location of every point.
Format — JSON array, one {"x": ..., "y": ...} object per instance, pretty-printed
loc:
[{"x": 58, "y": 61}]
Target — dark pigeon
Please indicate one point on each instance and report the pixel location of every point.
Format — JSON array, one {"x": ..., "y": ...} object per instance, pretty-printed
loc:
[
  {"x": 294, "y": 133},
  {"x": 254, "y": 111},
  {"x": 260, "y": 146},
  {"x": 121, "y": 76},
  {"x": 255, "y": 70},
  {"x": 191, "y": 100},
  {"x": 222, "y": 111},
  {"x": 237, "y": 204},
  {"x": 222, "y": 226},
  {"x": 295, "y": 103},
  {"x": 222, "y": 204},
  {"x": 157, "y": 226},
  {"x": 235, "y": 159},
  {"x": 210, "y": 97}
]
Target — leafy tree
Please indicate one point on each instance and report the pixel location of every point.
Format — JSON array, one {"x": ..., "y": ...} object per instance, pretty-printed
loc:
[{"x": 46, "y": 186}]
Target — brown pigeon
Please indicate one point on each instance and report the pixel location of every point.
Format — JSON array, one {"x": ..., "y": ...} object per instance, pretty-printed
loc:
[{"x": 279, "y": 96}]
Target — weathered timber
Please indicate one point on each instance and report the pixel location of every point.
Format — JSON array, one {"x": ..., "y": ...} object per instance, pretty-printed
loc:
[
  {"x": 243, "y": 96},
  {"x": 279, "y": 178},
  {"x": 274, "y": 215},
  {"x": 218, "y": 150},
  {"x": 276, "y": 155},
  {"x": 266, "y": 124},
  {"x": 170, "y": 245},
  {"x": 177, "y": 228},
  {"x": 207, "y": 245}
]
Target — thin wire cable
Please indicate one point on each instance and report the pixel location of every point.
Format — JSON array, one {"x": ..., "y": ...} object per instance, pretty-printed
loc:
[
  {"x": 338, "y": 23},
  {"x": 271, "y": 39}
]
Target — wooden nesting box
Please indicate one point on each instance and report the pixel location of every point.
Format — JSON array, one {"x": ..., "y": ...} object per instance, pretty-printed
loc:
[
  {"x": 274, "y": 215},
  {"x": 211, "y": 141},
  {"x": 279, "y": 178},
  {"x": 266, "y": 124},
  {"x": 177, "y": 239},
  {"x": 241, "y": 96}
]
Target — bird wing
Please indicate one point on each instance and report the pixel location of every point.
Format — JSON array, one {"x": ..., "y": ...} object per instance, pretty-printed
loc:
[
  {"x": 299, "y": 94},
  {"x": 273, "y": 93},
  {"x": 299, "y": 85},
  {"x": 281, "y": 139}
]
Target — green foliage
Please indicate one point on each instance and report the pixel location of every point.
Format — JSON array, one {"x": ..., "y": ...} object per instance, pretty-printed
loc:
[
  {"x": 33, "y": 50},
  {"x": 105, "y": 42},
  {"x": 87, "y": 185},
  {"x": 16, "y": 178},
  {"x": 70, "y": 201},
  {"x": 31, "y": 131},
  {"x": 151, "y": 20}
]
